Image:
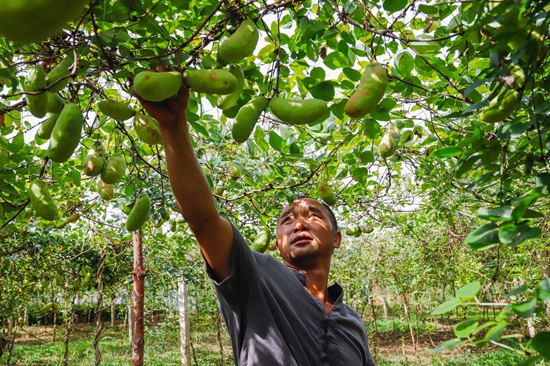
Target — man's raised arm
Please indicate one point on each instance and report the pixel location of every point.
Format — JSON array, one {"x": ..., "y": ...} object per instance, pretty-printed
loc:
[{"x": 190, "y": 187}]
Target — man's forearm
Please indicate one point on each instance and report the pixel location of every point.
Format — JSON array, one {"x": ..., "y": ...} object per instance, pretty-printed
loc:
[{"x": 190, "y": 187}]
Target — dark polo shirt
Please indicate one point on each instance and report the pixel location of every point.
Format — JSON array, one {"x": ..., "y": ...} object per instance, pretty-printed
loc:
[{"x": 274, "y": 321}]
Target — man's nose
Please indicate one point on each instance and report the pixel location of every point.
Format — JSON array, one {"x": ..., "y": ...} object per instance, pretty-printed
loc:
[{"x": 300, "y": 224}]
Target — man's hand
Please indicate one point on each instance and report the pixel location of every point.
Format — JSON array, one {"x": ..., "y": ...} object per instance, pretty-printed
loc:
[{"x": 169, "y": 110}]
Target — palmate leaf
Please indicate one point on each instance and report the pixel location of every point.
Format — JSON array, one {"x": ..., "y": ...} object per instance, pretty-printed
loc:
[
  {"x": 500, "y": 213},
  {"x": 496, "y": 332},
  {"x": 484, "y": 237},
  {"x": 447, "y": 306},
  {"x": 526, "y": 308},
  {"x": 465, "y": 328}
]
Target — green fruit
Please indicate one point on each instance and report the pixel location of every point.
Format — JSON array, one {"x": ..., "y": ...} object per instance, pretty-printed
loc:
[
  {"x": 106, "y": 191},
  {"x": 173, "y": 226},
  {"x": 240, "y": 44},
  {"x": 41, "y": 200},
  {"x": 35, "y": 82},
  {"x": 4, "y": 158},
  {"x": 147, "y": 128},
  {"x": 370, "y": 90},
  {"x": 165, "y": 215},
  {"x": 114, "y": 170},
  {"x": 326, "y": 193},
  {"x": 46, "y": 127},
  {"x": 354, "y": 231},
  {"x": 298, "y": 112},
  {"x": 261, "y": 243},
  {"x": 55, "y": 103},
  {"x": 501, "y": 106},
  {"x": 208, "y": 62},
  {"x": 95, "y": 159},
  {"x": 36, "y": 20},
  {"x": 217, "y": 81},
  {"x": 272, "y": 245},
  {"x": 157, "y": 86},
  {"x": 390, "y": 142},
  {"x": 519, "y": 76},
  {"x": 51, "y": 307},
  {"x": 246, "y": 118},
  {"x": 218, "y": 191},
  {"x": 367, "y": 229},
  {"x": 115, "y": 109},
  {"x": 229, "y": 100},
  {"x": 235, "y": 172},
  {"x": 61, "y": 70},
  {"x": 66, "y": 133},
  {"x": 139, "y": 213},
  {"x": 74, "y": 217}
]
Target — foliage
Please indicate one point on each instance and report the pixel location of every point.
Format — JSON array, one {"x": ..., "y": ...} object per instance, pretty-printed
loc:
[{"x": 458, "y": 184}]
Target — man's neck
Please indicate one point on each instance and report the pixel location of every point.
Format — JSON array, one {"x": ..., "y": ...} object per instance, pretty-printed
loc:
[{"x": 316, "y": 281}]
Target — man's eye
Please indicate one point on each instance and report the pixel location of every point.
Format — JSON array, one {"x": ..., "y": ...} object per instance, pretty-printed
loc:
[{"x": 286, "y": 219}]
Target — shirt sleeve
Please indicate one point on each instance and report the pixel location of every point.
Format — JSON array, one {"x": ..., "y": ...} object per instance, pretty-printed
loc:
[{"x": 245, "y": 270}]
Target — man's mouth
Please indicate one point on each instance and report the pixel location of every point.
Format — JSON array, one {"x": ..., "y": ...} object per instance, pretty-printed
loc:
[{"x": 301, "y": 239}]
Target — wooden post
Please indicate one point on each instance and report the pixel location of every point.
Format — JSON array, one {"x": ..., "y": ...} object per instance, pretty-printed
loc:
[
  {"x": 183, "y": 308},
  {"x": 138, "y": 274}
]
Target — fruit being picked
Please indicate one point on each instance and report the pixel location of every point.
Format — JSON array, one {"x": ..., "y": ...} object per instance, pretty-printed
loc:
[
  {"x": 247, "y": 117},
  {"x": 326, "y": 193},
  {"x": 229, "y": 100},
  {"x": 354, "y": 231},
  {"x": 215, "y": 81},
  {"x": 115, "y": 109},
  {"x": 114, "y": 170},
  {"x": 36, "y": 20},
  {"x": 501, "y": 106},
  {"x": 41, "y": 200},
  {"x": 139, "y": 213},
  {"x": 298, "y": 112},
  {"x": 95, "y": 159},
  {"x": 147, "y": 128},
  {"x": 66, "y": 133},
  {"x": 157, "y": 86},
  {"x": 261, "y": 243},
  {"x": 390, "y": 141},
  {"x": 240, "y": 44},
  {"x": 61, "y": 70},
  {"x": 370, "y": 90},
  {"x": 35, "y": 81},
  {"x": 106, "y": 191}
]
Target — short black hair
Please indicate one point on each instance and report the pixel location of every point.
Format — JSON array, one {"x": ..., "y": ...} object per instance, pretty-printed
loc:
[{"x": 332, "y": 215}]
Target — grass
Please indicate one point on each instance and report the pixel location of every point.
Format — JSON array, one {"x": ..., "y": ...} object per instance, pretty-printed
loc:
[{"x": 391, "y": 344}]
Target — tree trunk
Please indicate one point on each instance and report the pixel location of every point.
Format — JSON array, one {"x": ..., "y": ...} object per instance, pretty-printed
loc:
[
  {"x": 130, "y": 316},
  {"x": 97, "y": 314},
  {"x": 68, "y": 325},
  {"x": 219, "y": 336},
  {"x": 138, "y": 274},
  {"x": 407, "y": 313},
  {"x": 183, "y": 308},
  {"x": 113, "y": 314},
  {"x": 384, "y": 306}
]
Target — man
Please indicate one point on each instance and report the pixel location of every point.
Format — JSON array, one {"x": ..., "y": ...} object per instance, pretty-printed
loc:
[{"x": 278, "y": 314}]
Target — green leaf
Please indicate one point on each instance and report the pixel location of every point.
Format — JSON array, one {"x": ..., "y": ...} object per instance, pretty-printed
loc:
[
  {"x": 500, "y": 213},
  {"x": 543, "y": 179},
  {"x": 531, "y": 233},
  {"x": 526, "y": 308},
  {"x": 447, "y": 152},
  {"x": 507, "y": 232},
  {"x": 446, "y": 306},
  {"x": 275, "y": 141},
  {"x": 366, "y": 157},
  {"x": 540, "y": 344},
  {"x": 335, "y": 60},
  {"x": 484, "y": 237},
  {"x": 543, "y": 290},
  {"x": 531, "y": 361},
  {"x": 467, "y": 165},
  {"x": 465, "y": 328},
  {"x": 449, "y": 345},
  {"x": 517, "y": 291},
  {"x": 393, "y": 6},
  {"x": 371, "y": 128},
  {"x": 352, "y": 74},
  {"x": 496, "y": 332},
  {"x": 469, "y": 290},
  {"x": 324, "y": 91},
  {"x": 404, "y": 63}
]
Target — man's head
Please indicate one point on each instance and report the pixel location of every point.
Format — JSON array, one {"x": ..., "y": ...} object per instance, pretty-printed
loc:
[{"x": 307, "y": 233}]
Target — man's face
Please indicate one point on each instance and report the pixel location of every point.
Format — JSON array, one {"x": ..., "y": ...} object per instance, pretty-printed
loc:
[{"x": 305, "y": 233}]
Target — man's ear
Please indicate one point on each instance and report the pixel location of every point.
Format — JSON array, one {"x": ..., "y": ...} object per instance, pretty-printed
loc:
[{"x": 337, "y": 239}]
